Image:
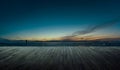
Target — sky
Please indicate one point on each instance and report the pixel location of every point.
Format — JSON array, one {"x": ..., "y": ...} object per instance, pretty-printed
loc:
[{"x": 53, "y": 19}]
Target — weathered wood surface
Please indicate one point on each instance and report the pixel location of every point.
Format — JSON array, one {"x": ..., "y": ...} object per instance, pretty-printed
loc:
[{"x": 59, "y": 58}]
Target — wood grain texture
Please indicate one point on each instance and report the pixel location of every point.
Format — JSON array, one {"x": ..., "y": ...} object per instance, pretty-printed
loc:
[{"x": 59, "y": 58}]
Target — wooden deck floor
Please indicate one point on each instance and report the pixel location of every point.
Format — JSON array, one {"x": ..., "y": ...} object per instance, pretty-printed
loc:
[{"x": 59, "y": 58}]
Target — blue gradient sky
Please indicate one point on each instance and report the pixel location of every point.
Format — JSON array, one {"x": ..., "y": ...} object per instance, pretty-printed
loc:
[{"x": 48, "y": 19}]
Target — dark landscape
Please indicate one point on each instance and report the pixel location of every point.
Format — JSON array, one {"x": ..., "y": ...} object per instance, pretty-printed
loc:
[{"x": 7, "y": 42}]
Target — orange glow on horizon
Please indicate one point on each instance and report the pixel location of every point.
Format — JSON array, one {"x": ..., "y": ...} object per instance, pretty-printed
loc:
[{"x": 72, "y": 38}]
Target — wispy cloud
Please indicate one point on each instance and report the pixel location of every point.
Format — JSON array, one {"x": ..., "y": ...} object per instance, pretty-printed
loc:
[{"x": 92, "y": 28}]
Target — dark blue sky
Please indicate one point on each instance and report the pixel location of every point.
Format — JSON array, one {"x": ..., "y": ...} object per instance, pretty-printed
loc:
[{"x": 40, "y": 19}]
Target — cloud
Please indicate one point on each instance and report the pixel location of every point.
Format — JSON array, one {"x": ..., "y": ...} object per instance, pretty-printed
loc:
[{"x": 93, "y": 28}]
